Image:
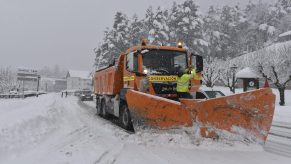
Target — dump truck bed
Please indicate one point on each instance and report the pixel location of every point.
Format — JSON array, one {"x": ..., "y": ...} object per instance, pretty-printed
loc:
[{"x": 108, "y": 81}]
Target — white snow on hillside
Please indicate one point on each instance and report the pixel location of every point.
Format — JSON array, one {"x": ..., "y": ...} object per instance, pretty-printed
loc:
[
  {"x": 285, "y": 34},
  {"x": 246, "y": 73},
  {"x": 249, "y": 58}
]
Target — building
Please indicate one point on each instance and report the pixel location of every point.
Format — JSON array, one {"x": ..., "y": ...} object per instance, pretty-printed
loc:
[
  {"x": 52, "y": 84},
  {"x": 60, "y": 85},
  {"x": 79, "y": 80},
  {"x": 27, "y": 79},
  {"x": 46, "y": 84}
]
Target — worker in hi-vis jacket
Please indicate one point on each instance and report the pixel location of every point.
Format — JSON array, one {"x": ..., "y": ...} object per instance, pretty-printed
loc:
[{"x": 183, "y": 81}]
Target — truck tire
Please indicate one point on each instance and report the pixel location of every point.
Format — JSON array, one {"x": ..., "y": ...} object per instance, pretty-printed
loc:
[
  {"x": 125, "y": 118},
  {"x": 104, "y": 114},
  {"x": 98, "y": 106}
]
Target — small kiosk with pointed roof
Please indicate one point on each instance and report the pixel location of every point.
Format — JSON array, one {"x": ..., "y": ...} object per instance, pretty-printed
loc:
[{"x": 250, "y": 78}]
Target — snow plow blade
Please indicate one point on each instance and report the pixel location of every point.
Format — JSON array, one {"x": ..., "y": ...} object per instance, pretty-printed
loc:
[{"x": 248, "y": 114}]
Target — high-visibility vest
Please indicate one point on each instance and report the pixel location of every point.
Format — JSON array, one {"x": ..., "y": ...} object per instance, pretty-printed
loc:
[
  {"x": 184, "y": 80},
  {"x": 197, "y": 76}
]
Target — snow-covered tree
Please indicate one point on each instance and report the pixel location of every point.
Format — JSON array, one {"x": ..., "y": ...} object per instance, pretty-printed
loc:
[
  {"x": 211, "y": 30},
  {"x": 116, "y": 40},
  {"x": 189, "y": 27},
  {"x": 7, "y": 79},
  {"x": 228, "y": 69},
  {"x": 275, "y": 65},
  {"x": 136, "y": 31},
  {"x": 224, "y": 29},
  {"x": 285, "y": 4},
  {"x": 53, "y": 72},
  {"x": 103, "y": 55},
  {"x": 119, "y": 35},
  {"x": 263, "y": 19},
  {"x": 212, "y": 70},
  {"x": 158, "y": 30},
  {"x": 285, "y": 23}
]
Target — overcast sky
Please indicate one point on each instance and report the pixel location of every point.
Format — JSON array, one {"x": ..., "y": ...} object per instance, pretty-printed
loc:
[{"x": 37, "y": 33}]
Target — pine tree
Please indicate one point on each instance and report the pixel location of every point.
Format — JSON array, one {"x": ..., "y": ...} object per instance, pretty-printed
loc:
[
  {"x": 189, "y": 25},
  {"x": 120, "y": 33},
  {"x": 211, "y": 30},
  {"x": 136, "y": 31}
]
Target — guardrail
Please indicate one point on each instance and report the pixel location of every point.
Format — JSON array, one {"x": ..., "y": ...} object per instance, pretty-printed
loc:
[{"x": 11, "y": 96}]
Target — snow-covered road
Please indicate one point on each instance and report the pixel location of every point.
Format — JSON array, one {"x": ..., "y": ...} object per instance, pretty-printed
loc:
[
  {"x": 51, "y": 129},
  {"x": 279, "y": 139}
]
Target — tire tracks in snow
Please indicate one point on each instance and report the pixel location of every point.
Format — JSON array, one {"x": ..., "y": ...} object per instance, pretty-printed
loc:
[
  {"x": 110, "y": 156},
  {"x": 88, "y": 131},
  {"x": 279, "y": 139}
]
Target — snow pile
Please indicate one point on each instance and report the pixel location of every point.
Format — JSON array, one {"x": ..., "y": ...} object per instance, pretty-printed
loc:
[
  {"x": 27, "y": 123},
  {"x": 188, "y": 138}
]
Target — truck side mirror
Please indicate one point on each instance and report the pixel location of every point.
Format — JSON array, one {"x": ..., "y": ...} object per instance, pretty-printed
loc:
[
  {"x": 132, "y": 62},
  {"x": 197, "y": 61},
  {"x": 112, "y": 62}
]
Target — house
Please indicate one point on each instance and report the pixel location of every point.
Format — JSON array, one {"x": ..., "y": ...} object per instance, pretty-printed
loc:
[
  {"x": 60, "y": 85},
  {"x": 79, "y": 80},
  {"x": 52, "y": 84}
]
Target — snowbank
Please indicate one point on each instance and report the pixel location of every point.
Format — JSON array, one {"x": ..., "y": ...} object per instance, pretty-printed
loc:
[{"x": 51, "y": 129}]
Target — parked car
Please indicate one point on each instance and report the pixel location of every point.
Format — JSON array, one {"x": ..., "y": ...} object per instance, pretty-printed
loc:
[
  {"x": 86, "y": 95},
  {"x": 208, "y": 94},
  {"x": 77, "y": 93}
]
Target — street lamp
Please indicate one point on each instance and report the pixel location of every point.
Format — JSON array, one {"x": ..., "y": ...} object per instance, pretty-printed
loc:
[{"x": 233, "y": 70}]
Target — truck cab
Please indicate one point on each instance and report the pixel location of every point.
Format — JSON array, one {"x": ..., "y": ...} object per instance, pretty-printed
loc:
[{"x": 154, "y": 69}]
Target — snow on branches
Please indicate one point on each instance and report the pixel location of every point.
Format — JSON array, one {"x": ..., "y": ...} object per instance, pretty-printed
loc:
[
  {"x": 7, "y": 79},
  {"x": 274, "y": 64},
  {"x": 212, "y": 71}
]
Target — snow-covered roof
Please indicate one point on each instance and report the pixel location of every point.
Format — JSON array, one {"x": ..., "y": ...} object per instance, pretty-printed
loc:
[
  {"x": 80, "y": 74},
  {"x": 285, "y": 34},
  {"x": 247, "y": 73}
]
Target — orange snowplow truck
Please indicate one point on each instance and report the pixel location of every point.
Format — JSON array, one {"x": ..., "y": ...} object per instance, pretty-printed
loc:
[{"x": 140, "y": 89}]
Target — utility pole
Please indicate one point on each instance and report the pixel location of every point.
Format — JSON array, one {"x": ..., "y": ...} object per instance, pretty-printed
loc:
[
  {"x": 233, "y": 69},
  {"x": 38, "y": 78},
  {"x": 23, "y": 89}
]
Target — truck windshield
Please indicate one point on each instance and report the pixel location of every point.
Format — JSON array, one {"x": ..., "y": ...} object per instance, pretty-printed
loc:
[{"x": 163, "y": 61}]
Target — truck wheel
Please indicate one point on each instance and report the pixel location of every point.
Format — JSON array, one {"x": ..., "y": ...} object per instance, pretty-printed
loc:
[
  {"x": 98, "y": 106},
  {"x": 125, "y": 118},
  {"x": 103, "y": 109}
]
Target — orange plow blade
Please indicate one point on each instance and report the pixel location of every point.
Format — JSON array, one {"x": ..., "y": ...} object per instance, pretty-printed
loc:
[{"x": 248, "y": 114}]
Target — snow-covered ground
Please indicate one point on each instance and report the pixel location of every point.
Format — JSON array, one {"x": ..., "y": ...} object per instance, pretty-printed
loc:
[{"x": 51, "y": 129}]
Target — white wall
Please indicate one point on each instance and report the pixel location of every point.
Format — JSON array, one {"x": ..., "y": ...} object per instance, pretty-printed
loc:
[{"x": 74, "y": 83}]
